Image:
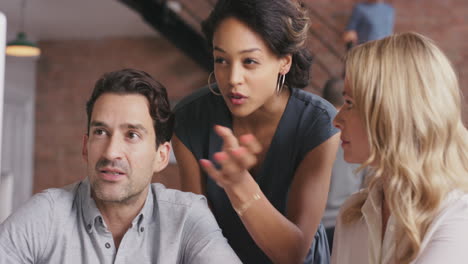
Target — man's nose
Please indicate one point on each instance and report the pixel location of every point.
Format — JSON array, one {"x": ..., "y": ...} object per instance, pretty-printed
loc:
[{"x": 114, "y": 149}]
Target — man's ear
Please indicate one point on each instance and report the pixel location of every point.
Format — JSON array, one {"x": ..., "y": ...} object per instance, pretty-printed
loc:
[
  {"x": 84, "y": 150},
  {"x": 162, "y": 156},
  {"x": 285, "y": 64}
]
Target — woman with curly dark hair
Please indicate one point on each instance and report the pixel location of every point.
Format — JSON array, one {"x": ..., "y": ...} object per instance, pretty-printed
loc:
[{"x": 274, "y": 144}]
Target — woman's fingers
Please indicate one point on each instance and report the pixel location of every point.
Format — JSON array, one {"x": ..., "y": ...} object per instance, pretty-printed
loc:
[
  {"x": 251, "y": 143},
  {"x": 244, "y": 157},
  {"x": 211, "y": 170},
  {"x": 229, "y": 166},
  {"x": 234, "y": 166},
  {"x": 235, "y": 161},
  {"x": 230, "y": 141},
  {"x": 229, "y": 174}
]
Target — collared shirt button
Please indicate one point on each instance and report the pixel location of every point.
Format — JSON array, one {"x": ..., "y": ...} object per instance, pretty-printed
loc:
[
  {"x": 100, "y": 220},
  {"x": 108, "y": 245},
  {"x": 142, "y": 229},
  {"x": 89, "y": 226}
]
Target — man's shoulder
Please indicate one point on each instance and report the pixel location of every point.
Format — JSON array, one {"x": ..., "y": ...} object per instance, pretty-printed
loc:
[
  {"x": 63, "y": 196},
  {"x": 26, "y": 234},
  {"x": 47, "y": 202},
  {"x": 361, "y": 6},
  {"x": 185, "y": 221},
  {"x": 67, "y": 191},
  {"x": 172, "y": 204},
  {"x": 388, "y": 6},
  {"x": 175, "y": 197}
]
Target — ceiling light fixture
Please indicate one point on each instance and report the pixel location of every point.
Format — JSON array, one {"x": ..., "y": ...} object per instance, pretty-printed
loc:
[{"x": 21, "y": 46}]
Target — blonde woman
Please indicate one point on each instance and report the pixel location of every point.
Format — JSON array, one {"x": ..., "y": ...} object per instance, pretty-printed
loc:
[{"x": 402, "y": 120}]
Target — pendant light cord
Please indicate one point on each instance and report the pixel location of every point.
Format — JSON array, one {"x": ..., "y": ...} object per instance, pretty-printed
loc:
[{"x": 23, "y": 7}]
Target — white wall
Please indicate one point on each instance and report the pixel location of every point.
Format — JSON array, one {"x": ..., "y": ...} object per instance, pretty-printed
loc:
[
  {"x": 4, "y": 203},
  {"x": 18, "y": 125}
]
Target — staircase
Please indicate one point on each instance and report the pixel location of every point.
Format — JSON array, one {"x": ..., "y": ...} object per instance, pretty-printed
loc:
[{"x": 179, "y": 21}]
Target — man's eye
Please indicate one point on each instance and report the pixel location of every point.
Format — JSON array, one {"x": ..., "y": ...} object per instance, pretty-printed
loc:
[
  {"x": 99, "y": 132},
  {"x": 133, "y": 135}
]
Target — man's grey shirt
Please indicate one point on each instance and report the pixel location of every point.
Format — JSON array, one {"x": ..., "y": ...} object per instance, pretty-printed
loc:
[{"x": 65, "y": 226}]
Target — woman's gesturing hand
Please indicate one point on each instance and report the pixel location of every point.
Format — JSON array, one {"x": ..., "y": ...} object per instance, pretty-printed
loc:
[{"x": 236, "y": 157}]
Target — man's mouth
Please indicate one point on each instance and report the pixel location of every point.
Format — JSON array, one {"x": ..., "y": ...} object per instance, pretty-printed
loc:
[{"x": 112, "y": 172}]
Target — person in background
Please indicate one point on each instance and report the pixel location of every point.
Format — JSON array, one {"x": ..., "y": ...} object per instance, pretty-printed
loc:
[
  {"x": 115, "y": 215},
  {"x": 370, "y": 20},
  {"x": 344, "y": 181},
  {"x": 268, "y": 209},
  {"x": 402, "y": 120}
]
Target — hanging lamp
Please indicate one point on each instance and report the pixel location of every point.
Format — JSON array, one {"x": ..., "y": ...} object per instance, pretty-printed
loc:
[{"x": 21, "y": 46}]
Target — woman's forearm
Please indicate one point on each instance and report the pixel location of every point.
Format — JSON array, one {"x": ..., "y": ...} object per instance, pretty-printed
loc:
[{"x": 279, "y": 238}]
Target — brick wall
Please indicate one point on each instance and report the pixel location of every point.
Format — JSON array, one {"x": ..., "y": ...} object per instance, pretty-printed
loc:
[
  {"x": 67, "y": 71},
  {"x": 446, "y": 22}
]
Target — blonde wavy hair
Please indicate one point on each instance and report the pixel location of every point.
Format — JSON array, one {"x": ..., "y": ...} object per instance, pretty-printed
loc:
[{"x": 407, "y": 94}]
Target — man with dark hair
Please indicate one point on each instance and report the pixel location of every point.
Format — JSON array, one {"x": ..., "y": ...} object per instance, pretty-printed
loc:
[{"x": 116, "y": 215}]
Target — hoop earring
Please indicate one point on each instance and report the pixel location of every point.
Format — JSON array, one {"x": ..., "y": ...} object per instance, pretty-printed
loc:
[
  {"x": 280, "y": 83},
  {"x": 209, "y": 85}
]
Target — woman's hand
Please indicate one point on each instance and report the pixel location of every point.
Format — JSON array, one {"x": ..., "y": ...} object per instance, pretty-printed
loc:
[{"x": 235, "y": 159}]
